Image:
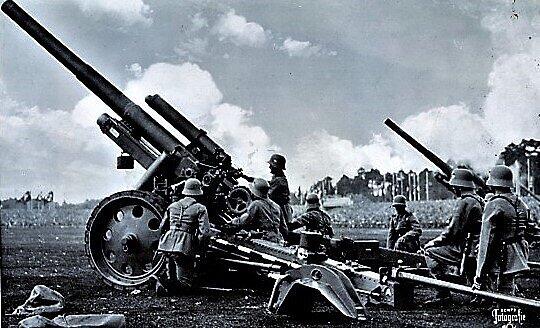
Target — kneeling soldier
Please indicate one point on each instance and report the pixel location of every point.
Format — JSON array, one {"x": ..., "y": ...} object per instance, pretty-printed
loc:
[
  {"x": 404, "y": 233},
  {"x": 188, "y": 228},
  {"x": 263, "y": 214},
  {"x": 503, "y": 250},
  {"x": 314, "y": 219}
]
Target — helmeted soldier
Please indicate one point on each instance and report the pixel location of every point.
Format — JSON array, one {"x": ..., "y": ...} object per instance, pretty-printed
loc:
[
  {"x": 404, "y": 232},
  {"x": 279, "y": 187},
  {"x": 263, "y": 214},
  {"x": 314, "y": 219},
  {"x": 503, "y": 251},
  {"x": 447, "y": 250},
  {"x": 185, "y": 227}
]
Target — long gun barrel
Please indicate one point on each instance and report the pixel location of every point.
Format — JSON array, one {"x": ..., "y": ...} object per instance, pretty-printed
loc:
[
  {"x": 436, "y": 160},
  {"x": 95, "y": 82},
  {"x": 195, "y": 135}
]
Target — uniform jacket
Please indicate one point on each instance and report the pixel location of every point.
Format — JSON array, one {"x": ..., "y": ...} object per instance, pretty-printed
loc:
[
  {"x": 502, "y": 244},
  {"x": 403, "y": 225},
  {"x": 316, "y": 220},
  {"x": 279, "y": 193},
  {"x": 466, "y": 218},
  {"x": 279, "y": 190},
  {"x": 189, "y": 226},
  {"x": 263, "y": 215}
]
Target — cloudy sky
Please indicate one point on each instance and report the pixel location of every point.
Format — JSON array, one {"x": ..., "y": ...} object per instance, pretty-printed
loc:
[{"x": 310, "y": 79}]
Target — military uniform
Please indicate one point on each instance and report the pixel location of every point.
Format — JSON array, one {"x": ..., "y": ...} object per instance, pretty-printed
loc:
[
  {"x": 279, "y": 193},
  {"x": 448, "y": 248},
  {"x": 315, "y": 220},
  {"x": 188, "y": 228},
  {"x": 404, "y": 233},
  {"x": 263, "y": 215},
  {"x": 503, "y": 250}
]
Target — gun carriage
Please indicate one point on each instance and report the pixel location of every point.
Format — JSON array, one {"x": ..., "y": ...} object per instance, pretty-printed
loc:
[{"x": 122, "y": 231}]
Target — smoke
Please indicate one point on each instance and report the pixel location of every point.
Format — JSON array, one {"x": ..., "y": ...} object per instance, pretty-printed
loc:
[{"x": 509, "y": 114}]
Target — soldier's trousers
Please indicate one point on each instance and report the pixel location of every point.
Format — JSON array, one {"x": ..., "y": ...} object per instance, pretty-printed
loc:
[
  {"x": 410, "y": 246},
  {"x": 501, "y": 283},
  {"x": 180, "y": 272}
]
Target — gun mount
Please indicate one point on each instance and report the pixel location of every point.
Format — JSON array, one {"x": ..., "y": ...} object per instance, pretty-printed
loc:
[{"x": 120, "y": 250}]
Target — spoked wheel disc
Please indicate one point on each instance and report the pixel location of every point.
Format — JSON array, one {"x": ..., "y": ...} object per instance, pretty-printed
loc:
[{"x": 122, "y": 236}]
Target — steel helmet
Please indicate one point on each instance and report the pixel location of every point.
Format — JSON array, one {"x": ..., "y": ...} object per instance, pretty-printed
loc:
[
  {"x": 500, "y": 176},
  {"x": 192, "y": 187},
  {"x": 278, "y": 161},
  {"x": 259, "y": 187},
  {"x": 399, "y": 200},
  {"x": 312, "y": 201},
  {"x": 462, "y": 178}
]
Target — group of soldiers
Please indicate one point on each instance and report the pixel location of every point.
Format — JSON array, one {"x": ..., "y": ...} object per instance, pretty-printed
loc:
[
  {"x": 485, "y": 241},
  {"x": 186, "y": 226}
]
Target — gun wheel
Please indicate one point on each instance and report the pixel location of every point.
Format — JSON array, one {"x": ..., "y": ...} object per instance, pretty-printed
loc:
[
  {"x": 238, "y": 200},
  {"x": 122, "y": 236}
]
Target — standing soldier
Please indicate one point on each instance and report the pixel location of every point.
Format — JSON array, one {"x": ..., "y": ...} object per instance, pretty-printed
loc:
[
  {"x": 314, "y": 219},
  {"x": 187, "y": 227},
  {"x": 263, "y": 214},
  {"x": 461, "y": 235},
  {"x": 503, "y": 250},
  {"x": 279, "y": 187},
  {"x": 404, "y": 233}
]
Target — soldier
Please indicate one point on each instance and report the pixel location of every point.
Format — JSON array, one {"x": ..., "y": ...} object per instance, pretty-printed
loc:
[
  {"x": 279, "y": 187},
  {"x": 503, "y": 250},
  {"x": 448, "y": 249},
  {"x": 404, "y": 233},
  {"x": 187, "y": 227},
  {"x": 314, "y": 219},
  {"x": 263, "y": 214}
]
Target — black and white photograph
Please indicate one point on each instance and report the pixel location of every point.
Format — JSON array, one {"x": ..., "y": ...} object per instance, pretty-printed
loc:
[{"x": 259, "y": 163}]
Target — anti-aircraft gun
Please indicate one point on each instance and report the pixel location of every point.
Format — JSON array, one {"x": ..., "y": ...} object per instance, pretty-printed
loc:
[{"x": 122, "y": 232}]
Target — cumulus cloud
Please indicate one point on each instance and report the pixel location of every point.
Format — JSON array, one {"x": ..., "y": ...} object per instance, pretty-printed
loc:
[
  {"x": 193, "y": 49},
  {"x": 296, "y": 48},
  {"x": 194, "y": 93},
  {"x": 322, "y": 154},
  {"x": 135, "y": 69},
  {"x": 248, "y": 144},
  {"x": 66, "y": 152},
  {"x": 509, "y": 114},
  {"x": 129, "y": 11},
  {"x": 238, "y": 30},
  {"x": 46, "y": 150}
]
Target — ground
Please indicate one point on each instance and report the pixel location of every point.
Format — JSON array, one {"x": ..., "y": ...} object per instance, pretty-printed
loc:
[{"x": 54, "y": 256}]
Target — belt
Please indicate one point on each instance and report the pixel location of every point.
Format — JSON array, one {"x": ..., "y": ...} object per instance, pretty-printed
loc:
[{"x": 184, "y": 229}]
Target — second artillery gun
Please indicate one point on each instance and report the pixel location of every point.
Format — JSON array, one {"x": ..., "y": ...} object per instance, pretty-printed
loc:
[{"x": 122, "y": 232}]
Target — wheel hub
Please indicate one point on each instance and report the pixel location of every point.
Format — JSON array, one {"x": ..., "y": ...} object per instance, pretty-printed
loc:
[{"x": 122, "y": 236}]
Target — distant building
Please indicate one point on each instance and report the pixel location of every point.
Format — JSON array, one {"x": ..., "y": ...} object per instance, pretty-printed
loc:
[
  {"x": 378, "y": 187},
  {"x": 524, "y": 159}
]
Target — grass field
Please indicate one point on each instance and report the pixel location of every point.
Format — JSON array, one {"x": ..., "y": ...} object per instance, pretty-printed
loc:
[{"x": 48, "y": 248}]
